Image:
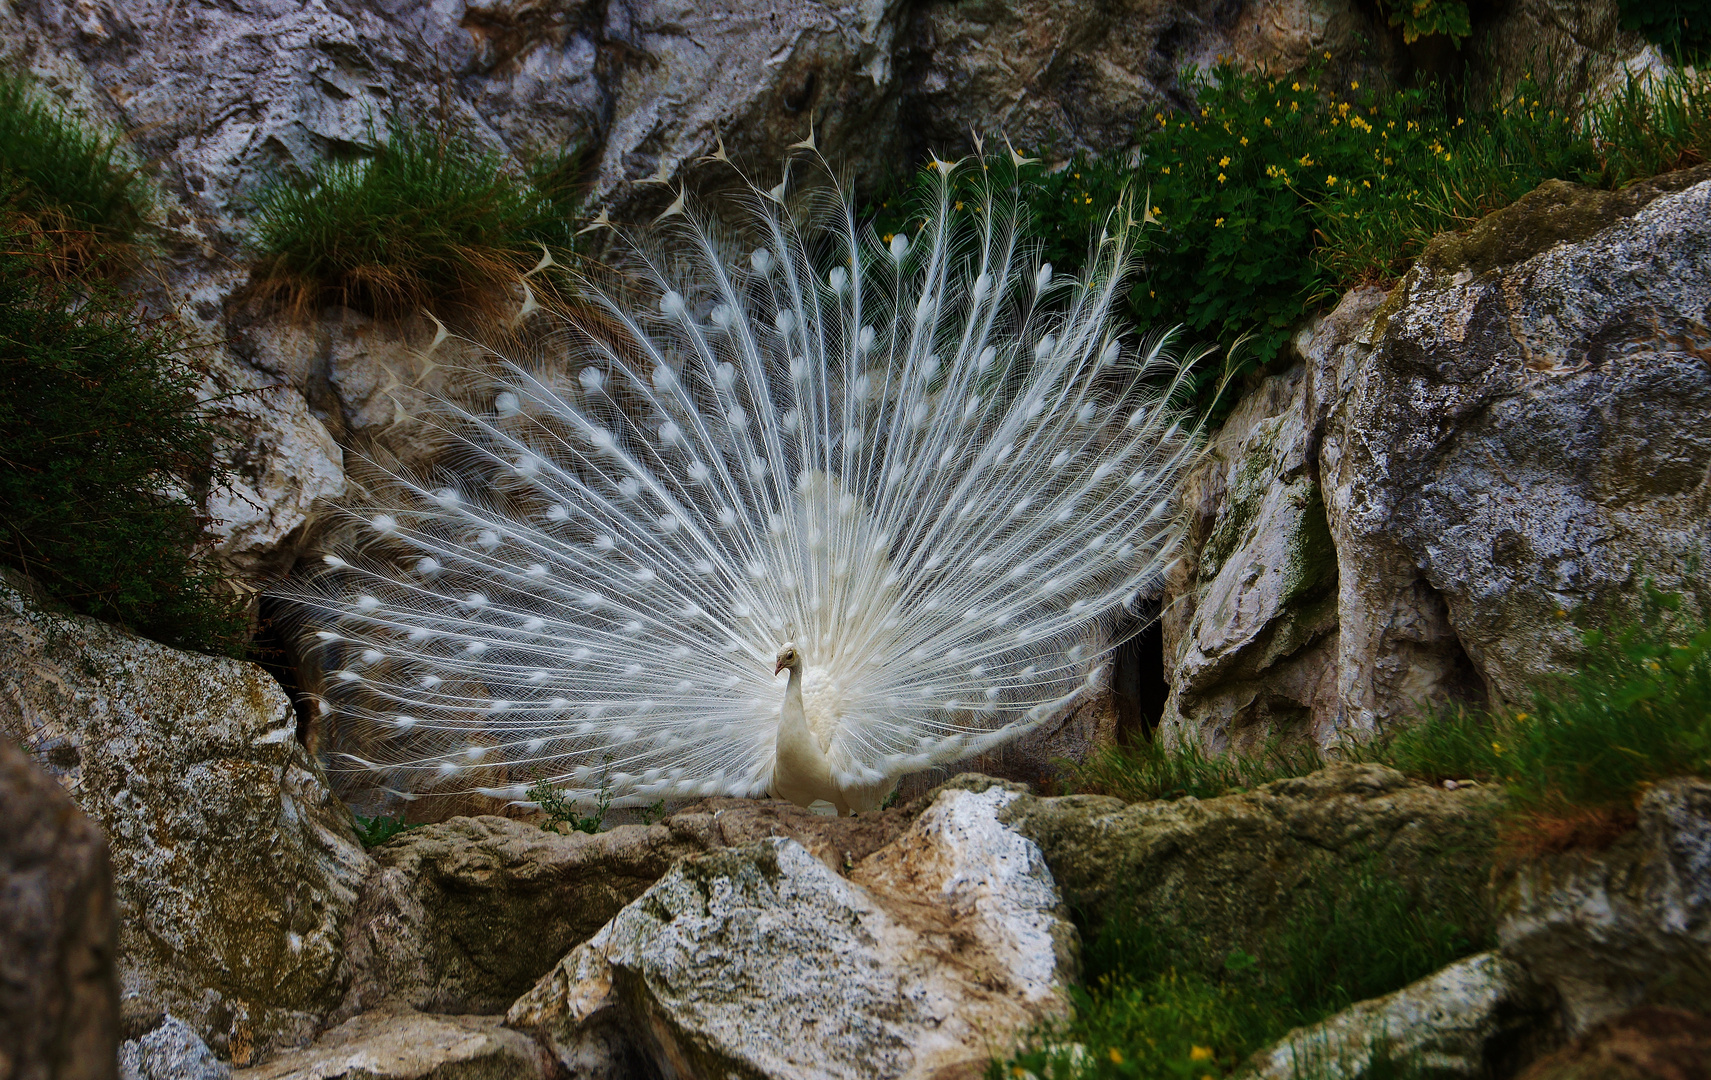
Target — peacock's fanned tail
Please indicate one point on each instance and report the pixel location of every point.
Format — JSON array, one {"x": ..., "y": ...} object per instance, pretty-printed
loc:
[{"x": 931, "y": 464}]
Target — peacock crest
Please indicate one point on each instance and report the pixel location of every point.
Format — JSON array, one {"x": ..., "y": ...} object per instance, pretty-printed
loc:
[{"x": 936, "y": 475}]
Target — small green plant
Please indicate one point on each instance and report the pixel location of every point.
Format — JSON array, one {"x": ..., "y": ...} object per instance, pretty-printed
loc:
[
  {"x": 1682, "y": 26},
  {"x": 104, "y": 447},
  {"x": 561, "y": 811},
  {"x": 424, "y": 219},
  {"x": 374, "y": 831},
  {"x": 653, "y": 812},
  {"x": 1424, "y": 18}
]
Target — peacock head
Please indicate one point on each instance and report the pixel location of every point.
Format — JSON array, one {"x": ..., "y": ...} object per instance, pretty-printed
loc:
[{"x": 788, "y": 657}]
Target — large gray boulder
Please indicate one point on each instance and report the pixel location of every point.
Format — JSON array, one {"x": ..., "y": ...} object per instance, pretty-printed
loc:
[
  {"x": 1473, "y": 1019},
  {"x": 398, "y": 1043},
  {"x": 1476, "y": 469},
  {"x": 1626, "y": 927},
  {"x": 465, "y": 915},
  {"x": 59, "y": 990},
  {"x": 235, "y": 868},
  {"x": 761, "y": 961}
]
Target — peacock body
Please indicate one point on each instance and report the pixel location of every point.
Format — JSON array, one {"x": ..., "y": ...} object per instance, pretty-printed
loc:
[{"x": 924, "y": 482}]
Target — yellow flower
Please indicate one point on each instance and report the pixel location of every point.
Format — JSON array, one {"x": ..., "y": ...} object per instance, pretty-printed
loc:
[
  {"x": 1225, "y": 162},
  {"x": 1116, "y": 1056},
  {"x": 1331, "y": 181},
  {"x": 1219, "y": 224},
  {"x": 1159, "y": 117},
  {"x": 1366, "y": 183},
  {"x": 1268, "y": 121},
  {"x": 1200, "y": 1053},
  {"x": 959, "y": 206},
  {"x": 1220, "y": 178},
  {"x": 1167, "y": 170},
  {"x": 1244, "y": 140},
  {"x": 1497, "y": 747},
  {"x": 1354, "y": 86},
  {"x": 887, "y": 238},
  {"x": 1295, "y": 86},
  {"x": 1088, "y": 199}
]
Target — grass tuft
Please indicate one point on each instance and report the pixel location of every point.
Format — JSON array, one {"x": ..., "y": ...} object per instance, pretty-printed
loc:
[
  {"x": 1149, "y": 1013},
  {"x": 1146, "y": 770},
  {"x": 424, "y": 219}
]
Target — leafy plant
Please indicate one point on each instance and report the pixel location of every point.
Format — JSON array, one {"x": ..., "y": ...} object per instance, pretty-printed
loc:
[
  {"x": 1681, "y": 25},
  {"x": 562, "y": 811},
  {"x": 103, "y": 448},
  {"x": 374, "y": 831},
  {"x": 424, "y": 218},
  {"x": 1424, "y": 18}
]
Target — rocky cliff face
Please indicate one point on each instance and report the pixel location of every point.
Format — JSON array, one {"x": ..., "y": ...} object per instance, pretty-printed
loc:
[{"x": 1459, "y": 477}]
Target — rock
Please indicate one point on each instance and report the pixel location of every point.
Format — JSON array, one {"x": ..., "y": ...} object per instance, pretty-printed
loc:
[
  {"x": 1471, "y": 1019},
  {"x": 761, "y": 961},
  {"x": 1058, "y": 77},
  {"x": 171, "y": 1051},
  {"x": 1624, "y": 927},
  {"x": 1250, "y": 613},
  {"x": 466, "y": 915},
  {"x": 1645, "y": 1044},
  {"x": 280, "y": 460},
  {"x": 1224, "y": 873},
  {"x": 235, "y": 868},
  {"x": 1525, "y": 438},
  {"x": 1583, "y": 41},
  {"x": 398, "y": 1043},
  {"x": 1459, "y": 479},
  {"x": 59, "y": 991}
]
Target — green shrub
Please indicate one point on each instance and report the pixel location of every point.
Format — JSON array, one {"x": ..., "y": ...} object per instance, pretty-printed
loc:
[
  {"x": 1683, "y": 26},
  {"x": 1425, "y": 18},
  {"x": 103, "y": 449},
  {"x": 1148, "y": 1012},
  {"x": 66, "y": 183},
  {"x": 424, "y": 219},
  {"x": 374, "y": 831}
]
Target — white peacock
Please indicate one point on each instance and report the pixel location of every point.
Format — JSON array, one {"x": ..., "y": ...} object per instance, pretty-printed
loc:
[{"x": 925, "y": 482}]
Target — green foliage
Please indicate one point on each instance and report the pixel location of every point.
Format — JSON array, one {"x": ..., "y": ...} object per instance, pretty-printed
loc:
[
  {"x": 424, "y": 219},
  {"x": 1275, "y": 193},
  {"x": 374, "y": 831},
  {"x": 1146, "y": 770},
  {"x": 1149, "y": 1012},
  {"x": 1424, "y": 18},
  {"x": 103, "y": 447},
  {"x": 1680, "y": 25},
  {"x": 51, "y": 164},
  {"x": 561, "y": 811},
  {"x": 1637, "y": 711}
]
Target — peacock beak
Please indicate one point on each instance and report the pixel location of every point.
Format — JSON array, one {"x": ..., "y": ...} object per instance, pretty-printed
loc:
[{"x": 780, "y": 666}]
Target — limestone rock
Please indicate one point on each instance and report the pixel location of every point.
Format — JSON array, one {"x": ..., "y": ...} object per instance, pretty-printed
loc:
[
  {"x": 1625, "y": 927},
  {"x": 398, "y": 1043},
  {"x": 1526, "y": 438},
  {"x": 1227, "y": 871},
  {"x": 59, "y": 995},
  {"x": 1467, "y": 1020},
  {"x": 281, "y": 459},
  {"x": 763, "y": 962},
  {"x": 235, "y": 868},
  {"x": 465, "y": 915},
  {"x": 1057, "y": 77},
  {"x": 172, "y": 1051},
  {"x": 1646, "y": 1044}
]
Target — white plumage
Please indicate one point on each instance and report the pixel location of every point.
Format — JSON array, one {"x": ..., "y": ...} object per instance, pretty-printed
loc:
[{"x": 930, "y": 469}]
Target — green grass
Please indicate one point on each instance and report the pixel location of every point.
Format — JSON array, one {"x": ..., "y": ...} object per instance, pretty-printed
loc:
[
  {"x": 104, "y": 448},
  {"x": 74, "y": 186},
  {"x": 424, "y": 220},
  {"x": 1146, "y": 770},
  {"x": 1147, "y": 1011}
]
